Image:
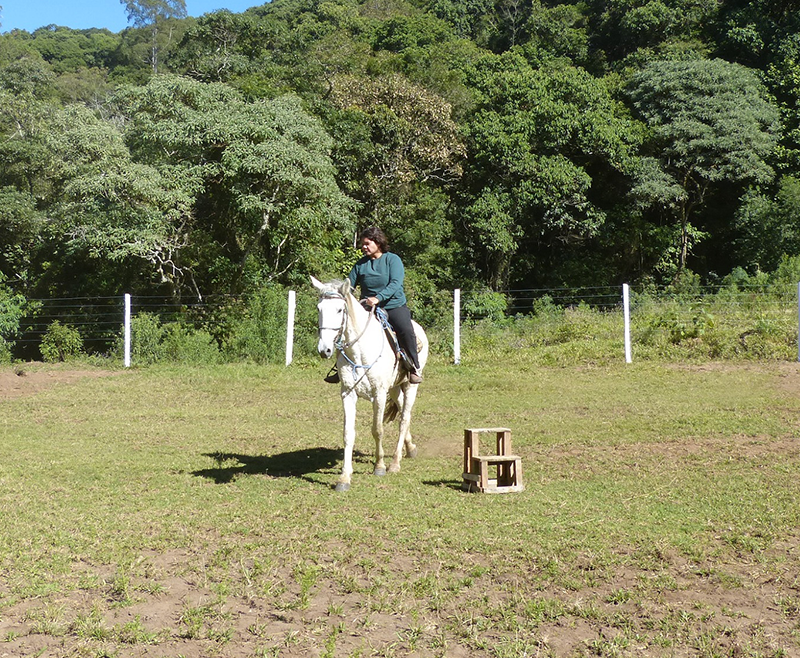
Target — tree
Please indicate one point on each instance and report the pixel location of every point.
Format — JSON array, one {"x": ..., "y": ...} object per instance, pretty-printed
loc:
[
  {"x": 220, "y": 46},
  {"x": 620, "y": 28},
  {"x": 265, "y": 199},
  {"x": 540, "y": 142},
  {"x": 769, "y": 228},
  {"x": 558, "y": 31},
  {"x": 709, "y": 127},
  {"x": 26, "y": 90},
  {"x": 151, "y": 14},
  {"x": 113, "y": 207},
  {"x": 783, "y": 79},
  {"x": 408, "y": 137}
]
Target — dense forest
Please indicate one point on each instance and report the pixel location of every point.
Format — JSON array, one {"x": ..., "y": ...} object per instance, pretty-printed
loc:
[{"x": 502, "y": 144}]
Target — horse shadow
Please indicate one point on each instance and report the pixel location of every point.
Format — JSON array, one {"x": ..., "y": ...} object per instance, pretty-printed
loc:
[{"x": 295, "y": 464}]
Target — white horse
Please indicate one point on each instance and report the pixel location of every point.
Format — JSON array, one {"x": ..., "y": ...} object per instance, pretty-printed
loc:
[{"x": 368, "y": 368}]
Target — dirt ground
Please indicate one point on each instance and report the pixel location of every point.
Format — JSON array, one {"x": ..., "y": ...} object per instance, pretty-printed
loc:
[
  {"x": 760, "y": 616},
  {"x": 30, "y": 378}
]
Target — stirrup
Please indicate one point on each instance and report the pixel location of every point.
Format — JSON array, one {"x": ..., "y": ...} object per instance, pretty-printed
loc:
[
  {"x": 414, "y": 377},
  {"x": 333, "y": 376}
]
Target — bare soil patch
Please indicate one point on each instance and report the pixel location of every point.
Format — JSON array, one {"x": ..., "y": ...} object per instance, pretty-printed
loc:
[{"x": 31, "y": 378}]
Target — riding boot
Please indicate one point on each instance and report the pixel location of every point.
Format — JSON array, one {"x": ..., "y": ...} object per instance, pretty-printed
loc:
[{"x": 333, "y": 376}]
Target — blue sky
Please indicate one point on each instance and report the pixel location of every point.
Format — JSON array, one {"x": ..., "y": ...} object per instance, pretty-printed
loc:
[{"x": 81, "y": 14}]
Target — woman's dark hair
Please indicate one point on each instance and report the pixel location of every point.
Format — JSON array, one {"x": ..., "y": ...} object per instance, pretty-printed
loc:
[{"x": 377, "y": 236}]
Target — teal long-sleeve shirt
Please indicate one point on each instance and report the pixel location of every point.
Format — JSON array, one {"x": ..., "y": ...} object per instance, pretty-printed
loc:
[{"x": 382, "y": 278}]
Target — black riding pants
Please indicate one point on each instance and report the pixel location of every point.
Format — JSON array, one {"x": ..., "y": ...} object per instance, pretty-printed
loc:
[{"x": 400, "y": 319}]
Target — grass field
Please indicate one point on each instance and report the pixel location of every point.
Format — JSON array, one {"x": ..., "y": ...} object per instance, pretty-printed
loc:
[{"x": 190, "y": 512}]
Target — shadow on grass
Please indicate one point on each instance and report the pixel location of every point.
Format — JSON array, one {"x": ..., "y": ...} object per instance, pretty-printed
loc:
[
  {"x": 446, "y": 484},
  {"x": 297, "y": 464}
]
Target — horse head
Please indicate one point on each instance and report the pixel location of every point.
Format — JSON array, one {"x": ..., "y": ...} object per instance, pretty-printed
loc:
[{"x": 332, "y": 309}]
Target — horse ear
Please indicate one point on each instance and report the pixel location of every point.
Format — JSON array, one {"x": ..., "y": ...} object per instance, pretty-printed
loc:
[
  {"x": 317, "y": 284},
  {"x": 345, "y": 288}
]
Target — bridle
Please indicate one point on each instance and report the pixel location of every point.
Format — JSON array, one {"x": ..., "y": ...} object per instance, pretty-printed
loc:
[
  {"x": 341, "y": 345},
  {"x": 338, "y": 341}
]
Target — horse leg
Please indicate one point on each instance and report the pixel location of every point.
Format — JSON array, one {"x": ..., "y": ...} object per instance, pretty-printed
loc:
[
  {"x": 405, "y": 401},
  {"x": 378, "y": 408},
  {"x": 349, "y": 404},
  {"x": 409, "y": 398}
]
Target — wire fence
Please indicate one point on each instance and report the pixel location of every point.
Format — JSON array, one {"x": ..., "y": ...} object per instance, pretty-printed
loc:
[
  {"x": 100, "y": 320},
  {"x": 780, "y": 300}
]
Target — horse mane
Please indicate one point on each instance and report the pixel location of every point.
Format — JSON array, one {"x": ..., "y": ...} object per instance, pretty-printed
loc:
[
  {"x": 342, "y": 288},
  {"x": 334, "y": 288}
]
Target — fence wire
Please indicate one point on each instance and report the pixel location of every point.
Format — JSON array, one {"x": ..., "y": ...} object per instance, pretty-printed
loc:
[{"x": 100, "y": 320}]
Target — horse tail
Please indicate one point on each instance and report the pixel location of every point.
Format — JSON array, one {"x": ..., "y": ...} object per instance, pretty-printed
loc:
[{"x": 391, "y": 411}]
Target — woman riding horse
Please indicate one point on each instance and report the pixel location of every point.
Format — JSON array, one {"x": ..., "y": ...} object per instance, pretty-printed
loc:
[{"x": 380, "y": 275}]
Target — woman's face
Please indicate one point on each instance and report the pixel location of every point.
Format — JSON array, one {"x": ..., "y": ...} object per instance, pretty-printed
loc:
[{"x": 370, "y": 248}]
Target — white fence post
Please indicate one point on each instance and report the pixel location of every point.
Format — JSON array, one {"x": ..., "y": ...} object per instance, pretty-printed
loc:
[
  {"x": 290, "y": 326},
  {"x": 626, "y": 312},
  {"x": 127, "y": 330},
  {"x": 457, "y": 326}
]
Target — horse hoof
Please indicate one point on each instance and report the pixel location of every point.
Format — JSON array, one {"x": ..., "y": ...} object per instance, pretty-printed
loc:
[
  {"x": 342, "y": 486},
  {"x": 411, "y": 453},
  {"x": 380, "y": 472},
  {"x": 394, "y": 468}
]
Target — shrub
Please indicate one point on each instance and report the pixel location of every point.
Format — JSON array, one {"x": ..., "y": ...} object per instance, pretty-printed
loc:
[
  {"x": 12, "y": 309},
  {"x": 256, "y": 329},
  {"x": 484, "y": 304},
  {"x": 182, "y": 344},
  {"x": 178, "y": 342},
  {"x": 147, "y": 335},
  {"x": 787, "y": 275},
  {"x": 61, "y": 342}
]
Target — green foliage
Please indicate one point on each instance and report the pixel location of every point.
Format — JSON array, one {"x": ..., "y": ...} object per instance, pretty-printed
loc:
[
  {"x": 485, "y": 304},
  {"x": 147, "y": 335},
  {"x": 72, "y": 51},
  {"x": 679, "y": 327},
  {"x": 747, "y": 317},
  {"x": 143, "y": 13},
  {"x": 256, "y": 330},
  {"x": 709, "y": 119},
  {"x": 787, "y": 275},
  {"x": 537, "y": 140},
  {"x": 709, "y": 124},
  {"x": 184, "y": 344},
  {"x": 769, "y": 226},
  {"x": 492, "y": 140},
  {"x": 222, "y": 46},
  {"x": 60, "y": 343},
  {"x": 624, "y": 28},
  {"x": 263, "y": 166},
  {"x": 13, "y": 308},
  {"x": 558, "y": 31},
  {"x": 153, "y": 341}
]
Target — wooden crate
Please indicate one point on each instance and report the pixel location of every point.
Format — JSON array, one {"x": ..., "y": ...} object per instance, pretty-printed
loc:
[{"x": 478, "y": 469}]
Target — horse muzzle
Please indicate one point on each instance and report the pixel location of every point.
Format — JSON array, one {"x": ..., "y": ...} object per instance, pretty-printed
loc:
[{"x": 325, "y": 351}]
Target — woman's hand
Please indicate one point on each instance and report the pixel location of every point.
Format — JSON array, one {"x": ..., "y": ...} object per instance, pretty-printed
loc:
[{"x": 371, "y": 301}]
